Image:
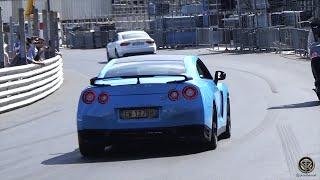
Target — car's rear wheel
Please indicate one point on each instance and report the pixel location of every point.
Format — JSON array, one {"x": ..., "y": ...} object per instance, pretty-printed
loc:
[
  {"x": 108, "y": 56},
  {"x": 116, "y": 53},
  {"x": 213, "y": 142},
  {"x": 90, "y": 149},
  {"x": 227, "y": 133}
]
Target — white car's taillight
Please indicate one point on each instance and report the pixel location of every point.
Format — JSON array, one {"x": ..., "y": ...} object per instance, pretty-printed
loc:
[
  {"x": 125, "y": 44},
  {"x": 150, "y": 41}
]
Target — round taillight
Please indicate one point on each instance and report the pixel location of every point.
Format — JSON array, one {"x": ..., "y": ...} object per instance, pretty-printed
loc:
[
  {"x": 173, "y": 95},
  {"x": 88, "y": 97},
  {"x": 189, "y": 92},
  {"x": 103, "y": 98}
]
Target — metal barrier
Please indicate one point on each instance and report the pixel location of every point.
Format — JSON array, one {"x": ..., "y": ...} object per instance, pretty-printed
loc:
[
  {"x": 268, "y": 38},
  {"x": 23, "y": 85},
  {"x": 253, "y": 38}
]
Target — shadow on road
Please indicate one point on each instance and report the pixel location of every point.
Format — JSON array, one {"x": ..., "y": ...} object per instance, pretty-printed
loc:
[
  {"x": 298, "y": 105},
  {"x": 130, "y": 152}
]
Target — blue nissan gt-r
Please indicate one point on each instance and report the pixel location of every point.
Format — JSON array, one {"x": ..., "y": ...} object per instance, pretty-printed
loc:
[{"x": 148, "y": 97}]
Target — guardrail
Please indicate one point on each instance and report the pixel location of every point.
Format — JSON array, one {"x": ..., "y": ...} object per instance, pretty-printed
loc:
[{"x": 23, "y": 85}]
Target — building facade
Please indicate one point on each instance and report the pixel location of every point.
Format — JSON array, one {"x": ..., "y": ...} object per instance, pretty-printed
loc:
[
  {"x": 131, "y": 14},
  {"x": 68, "y": 9}
]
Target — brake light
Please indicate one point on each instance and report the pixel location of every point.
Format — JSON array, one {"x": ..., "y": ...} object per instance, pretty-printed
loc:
[
  {"x": 88, "y": 97},
  {"x": 124, "y": 44},
  {"x": 173, "y": 95},
  {"x": 150, "y": 42},
  {"x": 103, "y": 98},
  {"x": 189, "y": 92}
]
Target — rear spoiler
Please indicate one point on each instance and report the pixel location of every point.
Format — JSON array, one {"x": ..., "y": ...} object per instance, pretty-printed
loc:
[{"x": 93, "y": 80}]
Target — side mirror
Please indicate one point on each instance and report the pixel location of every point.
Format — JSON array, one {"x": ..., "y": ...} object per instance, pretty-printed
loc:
[{"x": 219, "y": 75}]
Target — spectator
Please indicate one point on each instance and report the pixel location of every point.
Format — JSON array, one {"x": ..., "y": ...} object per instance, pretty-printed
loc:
[
  {"x": 16, "y": 53},
  {"x": 5, "y": 56},
  {"x": 39, "y": 43},
  {"x": 32, "y": 52}
]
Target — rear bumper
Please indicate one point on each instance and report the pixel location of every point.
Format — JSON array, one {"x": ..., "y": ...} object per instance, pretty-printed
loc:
[
  {"x": 137, "y": 51},
  {"x": 189, "y": 133}
]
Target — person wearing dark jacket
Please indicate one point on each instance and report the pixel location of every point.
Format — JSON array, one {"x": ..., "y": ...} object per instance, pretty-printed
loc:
[{"x": 314, "y": 50}]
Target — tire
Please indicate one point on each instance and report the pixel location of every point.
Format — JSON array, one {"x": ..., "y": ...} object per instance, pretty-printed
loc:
[
  {"x": 108, "y": 56},
  {"x": 116, "y": 53},
  {"x": 90, "y": 150},
  {"x": 227, "y": 133},
  {"x": 213, "y": 143},
  {"x": 317, "y": 92}
]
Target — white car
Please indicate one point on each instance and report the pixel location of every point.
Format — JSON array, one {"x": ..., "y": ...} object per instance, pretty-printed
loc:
[{"x": 131, "y": 43}]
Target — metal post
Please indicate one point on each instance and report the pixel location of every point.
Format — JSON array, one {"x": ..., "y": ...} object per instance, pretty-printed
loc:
[
  {"x": 16, "y": 5},
  {"x": 317, "y": 8},
  {"x": 35, "y": 22},
  {"x": 55, "y": 31},
  {"x": 45, "y": 31},
  {"x": 48, "y": 5},
  {"x": 1, "y": 41},
  {"x": 11, "y": 38},
  {"x": 52, "y": 34},
  {"x": 22, "y": 37}
]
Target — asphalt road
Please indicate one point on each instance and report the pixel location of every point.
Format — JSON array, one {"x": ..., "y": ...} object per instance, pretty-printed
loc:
[{"x": 275, "y": 119}]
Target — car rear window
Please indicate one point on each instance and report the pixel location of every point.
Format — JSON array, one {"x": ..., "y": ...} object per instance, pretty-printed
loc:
[
  {"x": 146, "y": 68},
  {"x": 135, "y": 35}
]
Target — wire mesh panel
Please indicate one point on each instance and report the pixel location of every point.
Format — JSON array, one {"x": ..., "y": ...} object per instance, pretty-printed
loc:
[
  {"x": 215, "y": 37},
  {"x": 266, "y": 38},
  {"x": 202, "y": 35},
  {"x": 184, "y": 37}
]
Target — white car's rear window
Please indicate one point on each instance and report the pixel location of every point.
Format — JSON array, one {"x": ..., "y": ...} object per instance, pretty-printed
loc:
[{"x": 135, "y": 35}]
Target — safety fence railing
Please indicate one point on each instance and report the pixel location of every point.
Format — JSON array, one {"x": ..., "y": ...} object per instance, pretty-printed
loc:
[
  {"x": 270, "y": 38},
  {"x": 277, "y": 39},
  {"x": 23, "y": 85}
]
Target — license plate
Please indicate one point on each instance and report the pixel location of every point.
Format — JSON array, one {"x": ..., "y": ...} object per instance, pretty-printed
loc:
[
  {"x": 139, "y": 113},
  {"x": 138, "y": 43}
]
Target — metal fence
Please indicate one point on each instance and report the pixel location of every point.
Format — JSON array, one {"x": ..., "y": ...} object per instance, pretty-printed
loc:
[
  {"x": 243, "y": 39},
  {"x": 255, "y": 39}
]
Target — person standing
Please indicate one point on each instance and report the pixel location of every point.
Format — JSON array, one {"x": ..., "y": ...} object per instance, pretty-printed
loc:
[
  {"x": 6, "y": 56},
  {"x": 16, "y": 53},
  {"x": 314, "y": 51}
]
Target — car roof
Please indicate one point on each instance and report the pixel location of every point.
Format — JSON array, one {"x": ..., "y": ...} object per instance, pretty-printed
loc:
[
  {"x": 141, "y": 58},
  {"x": 129, "y": 32}
]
